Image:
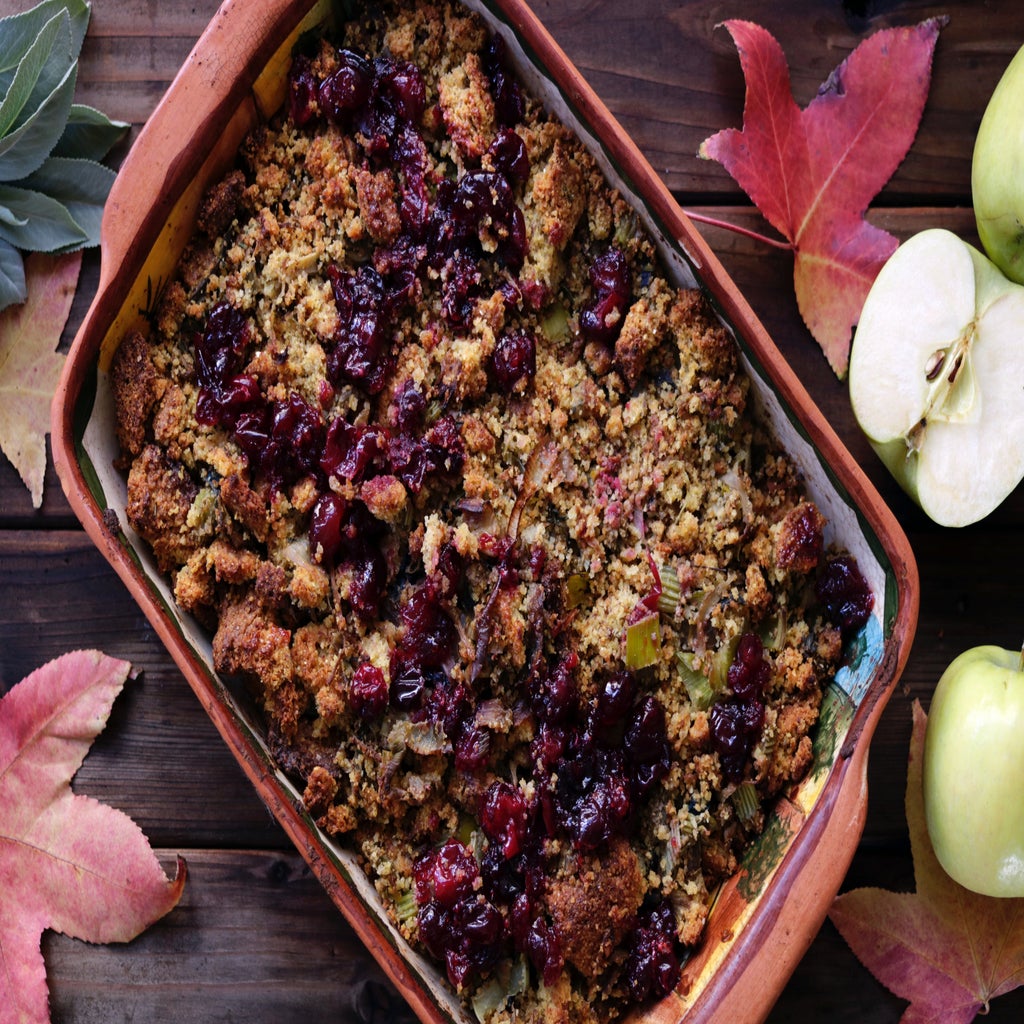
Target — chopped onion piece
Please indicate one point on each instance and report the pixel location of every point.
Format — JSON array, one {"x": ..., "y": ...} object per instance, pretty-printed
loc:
[
  {"x": 773, "y": 632},
  {"x": 488, "y": 998}
]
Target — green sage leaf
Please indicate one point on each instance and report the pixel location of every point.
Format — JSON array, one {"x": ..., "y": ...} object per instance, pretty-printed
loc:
[
  {"x": 12, "y": 276},
  {"x": 89, "y": 134},
  {"x": 25, "y": 148},
  {"x": 80, "y": 186},
  {"x": 19, "y": 31},
  {"x": 28, "y": 76},
  {"x": 7, "y": 217},
  {"x": 57, "y": 61},
  {"x": 48, "y": 228}
]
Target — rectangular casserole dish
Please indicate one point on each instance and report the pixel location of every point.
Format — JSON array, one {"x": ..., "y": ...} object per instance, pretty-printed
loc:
[{"x": 765, "y": 917}]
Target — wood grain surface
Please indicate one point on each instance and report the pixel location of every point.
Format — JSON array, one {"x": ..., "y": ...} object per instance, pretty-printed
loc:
[{"x": 255, "y": 939}]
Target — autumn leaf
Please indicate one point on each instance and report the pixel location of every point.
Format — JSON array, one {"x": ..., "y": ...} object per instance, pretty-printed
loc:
[
  {"x": 813, "y": 172},
  {"x": 30, "y": 364},
  {"x": 67, "y": 862},
  {"x": 947, "y": 950}
]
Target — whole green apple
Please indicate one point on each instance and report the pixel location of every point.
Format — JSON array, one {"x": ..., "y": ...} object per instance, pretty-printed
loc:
[
  {"x": 997, "y": 173},
  {"x": 974, "y": 770}
]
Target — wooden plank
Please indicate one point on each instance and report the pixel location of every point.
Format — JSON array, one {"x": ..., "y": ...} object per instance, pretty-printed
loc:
[
  {"x": 670, "y": 74},
  {"x": 160, "y": 759},
  {"x": 254, "y": 938}
]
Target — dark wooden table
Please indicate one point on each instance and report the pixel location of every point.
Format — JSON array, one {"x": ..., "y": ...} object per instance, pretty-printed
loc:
[{"x": 255, "y": 939}]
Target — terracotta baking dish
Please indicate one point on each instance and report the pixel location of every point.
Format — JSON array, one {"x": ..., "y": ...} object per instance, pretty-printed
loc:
[{"x": 765, "y": 918}]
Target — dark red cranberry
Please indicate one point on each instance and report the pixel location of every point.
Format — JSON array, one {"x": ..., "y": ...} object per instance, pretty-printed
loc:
[
  {"x": 549, "y": 745},
  {"x": 845, "y": 595},
  {"x": 472, "y": 747},
  {"x": 410, "y": 155},
  {"x": 429, "y": 630},
  {"x": 610, "y": 279},
  {"x": 405, "y": 84},
  {"x": 801, "y": 542},
  {"x": 480, "y": 202},
  {"x": 354, "y": 452},
  {"x": 450, "y": 570},
  {"x": 514, "y": 360},
  {"x": 297, "y": 437},
  {"x": 503, "y": 817},
  {"x": 399, "y": 266},
  {"x": 395, "y": 103},
  {"x": 503, "y": 883},
  {"x": 475, "y": 935},
  {"x": 482, "y": 925},
  {"x": 411, "y": 681},
  {"x": 479, "y": 197},
  {"x": 601, "y": 813},
  {"x": 508, "y": 155},
  {"x": 438, "y": 455},
  {"x": 347, "y": 89},
  {"x": 735, "y": 726},
  {"x": 221, "y": 351},
  {"x": 749, "y": 674},
  {"x": 282, "y": 441},
  {"x": 325, "y": 526},
  {"x": 368, "y": 691},
  {"x": 302, "y": 91},
  {"x": 368, "y": 577},
  {"x": 456, "y": 924},
  {"x": 646, "y": 745},
  {"x": 450, "y": 705},
  {"x": 537, "y": 559},
  {"x": 512, "y": 247},
  {"x": 652, "y": 967},
  {"x": 521, "y": 910},
  {"x": 614, "y": 700},
  {"x": 408, "y": 409},
  {"x": 554, "y": 694},
  {"x": 361, "y": 345},
  {"x": 461, "y": 281},
  {"x": 225, "y": 404},
  {"x": 509, "y": 105},
  {"x": 445, "y": 875},
  {"x": 544, "y": 949},
  {"x": 347, "y": 534}
]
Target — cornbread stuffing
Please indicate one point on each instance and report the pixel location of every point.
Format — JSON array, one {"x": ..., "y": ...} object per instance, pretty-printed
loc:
[{"x": 470, "y": 496}]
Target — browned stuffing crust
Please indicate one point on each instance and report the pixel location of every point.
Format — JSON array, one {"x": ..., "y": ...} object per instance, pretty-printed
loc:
[{"x": 569, "y": 489}]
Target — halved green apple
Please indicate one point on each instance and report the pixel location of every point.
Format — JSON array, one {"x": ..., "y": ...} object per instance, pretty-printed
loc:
[{"x": 937, "y": 376}]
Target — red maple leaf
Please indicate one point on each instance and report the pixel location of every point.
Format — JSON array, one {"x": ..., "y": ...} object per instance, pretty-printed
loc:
[
  {"x": 813, "y": 172},
  {"x": 947, "y": 950},
  {"x": 67, "y": 862}
]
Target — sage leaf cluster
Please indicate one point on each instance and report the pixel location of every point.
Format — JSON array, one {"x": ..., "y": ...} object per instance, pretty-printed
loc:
[{"x": 52, "y": 184}]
